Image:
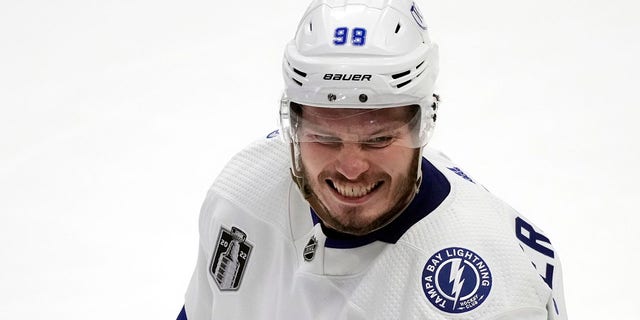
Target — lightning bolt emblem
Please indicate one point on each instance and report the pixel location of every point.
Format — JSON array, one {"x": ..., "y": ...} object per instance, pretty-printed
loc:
[
  {"x": 455, "y": 277},
  {"x": 456, "y": 280}
]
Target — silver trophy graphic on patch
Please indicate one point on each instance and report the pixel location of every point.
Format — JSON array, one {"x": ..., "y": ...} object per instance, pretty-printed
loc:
[{"x": 230, "y": 258}]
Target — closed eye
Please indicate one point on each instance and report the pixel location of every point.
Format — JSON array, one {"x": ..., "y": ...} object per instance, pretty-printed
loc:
[
  {"x": 379, "y": 142},
  {"x": 326, "y": 140}
]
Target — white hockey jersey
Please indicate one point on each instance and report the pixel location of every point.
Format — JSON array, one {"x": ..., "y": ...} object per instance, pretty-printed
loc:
[{"x": 457, "y": 252}]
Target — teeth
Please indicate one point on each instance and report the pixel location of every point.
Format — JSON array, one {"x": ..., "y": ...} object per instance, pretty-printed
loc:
[{"x": 353, "y": 190}]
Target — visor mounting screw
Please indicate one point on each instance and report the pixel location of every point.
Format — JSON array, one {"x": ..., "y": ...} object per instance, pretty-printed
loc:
[
  {"x": 435, "y": 103},
  {"x": 363, "y": 98},
  {"x": 331, "y": 97}
]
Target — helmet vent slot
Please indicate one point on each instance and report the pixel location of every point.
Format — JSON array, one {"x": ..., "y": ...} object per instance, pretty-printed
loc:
[
  {"x": 398, "y": 27},
  {"x": 297, "y": 82},
  {"x": 303, "y": 74},
  {"x": 401, "y": 74},
  {"x": 421, "y": 63},
  {"x": 403, "y": 84},
  {"x": 310, "y": 26}
]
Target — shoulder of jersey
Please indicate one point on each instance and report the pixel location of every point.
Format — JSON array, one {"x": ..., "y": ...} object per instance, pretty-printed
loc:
[
  {"x": 445, "y": 165},
  {"x": 534, "y": 244},
  {"x": 256, "y": 179},
  {"x": 469, "y": 206}
]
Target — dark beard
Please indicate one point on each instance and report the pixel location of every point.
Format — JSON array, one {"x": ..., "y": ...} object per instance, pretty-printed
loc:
[{"x": 351, "y": 223}]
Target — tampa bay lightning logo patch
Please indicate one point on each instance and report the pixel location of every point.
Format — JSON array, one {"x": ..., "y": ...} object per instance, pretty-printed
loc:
[
  {"x": 230, "y": 258},
  {"x": 456, "y": 280}
]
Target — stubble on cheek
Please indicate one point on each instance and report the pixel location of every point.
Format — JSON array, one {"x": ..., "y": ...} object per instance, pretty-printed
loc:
[{"x": 359, "y": 220}]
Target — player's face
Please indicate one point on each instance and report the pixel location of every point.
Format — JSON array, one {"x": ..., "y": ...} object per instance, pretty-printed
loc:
[{"x": 360, "y": 174}]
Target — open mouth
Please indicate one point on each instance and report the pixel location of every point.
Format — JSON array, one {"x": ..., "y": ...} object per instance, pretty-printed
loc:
[{"x": 349, "y": 190}]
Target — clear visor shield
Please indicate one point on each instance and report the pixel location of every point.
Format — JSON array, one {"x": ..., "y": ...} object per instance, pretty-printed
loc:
[{"x": 371, "y": 128}]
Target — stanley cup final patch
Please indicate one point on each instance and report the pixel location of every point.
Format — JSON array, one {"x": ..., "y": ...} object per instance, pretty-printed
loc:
[
  {"x": 230, "y": 258},
  {"x": 456, "y": 280}
]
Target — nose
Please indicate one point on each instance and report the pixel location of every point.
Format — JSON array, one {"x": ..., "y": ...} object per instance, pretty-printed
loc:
[{"x": 352, "y": 161}]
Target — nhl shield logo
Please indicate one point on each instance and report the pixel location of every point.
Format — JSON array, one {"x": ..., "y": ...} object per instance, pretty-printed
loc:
[
  {"x": 310, "y": 249},
  {"x": 230, "y": 258},
  {"x": 456, "y": 280}
]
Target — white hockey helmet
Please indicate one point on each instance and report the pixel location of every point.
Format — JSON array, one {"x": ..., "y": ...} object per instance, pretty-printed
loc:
[{"x": 363, "y": 54}]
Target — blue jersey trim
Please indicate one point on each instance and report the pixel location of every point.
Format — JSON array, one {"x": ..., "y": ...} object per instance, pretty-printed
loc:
[
  {"x": 433, "y": 190},
  {"x": 182, "y": 315}
]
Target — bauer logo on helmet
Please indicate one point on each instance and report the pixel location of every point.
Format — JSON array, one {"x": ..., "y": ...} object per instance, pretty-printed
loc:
[{"x": 347, "y": 77}]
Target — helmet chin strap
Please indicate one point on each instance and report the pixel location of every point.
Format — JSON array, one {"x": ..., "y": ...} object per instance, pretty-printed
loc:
[{"x": 419, "y": 172}]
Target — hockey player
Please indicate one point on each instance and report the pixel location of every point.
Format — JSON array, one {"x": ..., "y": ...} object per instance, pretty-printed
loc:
[{"x": 349, "y": 215}]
